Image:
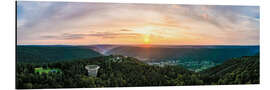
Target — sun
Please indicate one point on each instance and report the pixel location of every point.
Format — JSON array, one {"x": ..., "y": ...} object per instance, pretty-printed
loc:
[{"x": 146, "y": 40}]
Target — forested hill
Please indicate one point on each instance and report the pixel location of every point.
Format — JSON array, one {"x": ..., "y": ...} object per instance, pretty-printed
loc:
[
  {"x": 113, "y": 72},
  {"x": 121, "y": 71},
  {"x": 40, "y": 54},
  {"x": 244, "y": 70}
]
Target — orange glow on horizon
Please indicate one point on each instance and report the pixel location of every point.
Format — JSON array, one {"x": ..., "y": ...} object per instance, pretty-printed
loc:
[{"x": 146, "y": 45}]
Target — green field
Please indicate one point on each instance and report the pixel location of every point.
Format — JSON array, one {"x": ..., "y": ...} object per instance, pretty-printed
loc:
[{"x": 40, "y": 70}]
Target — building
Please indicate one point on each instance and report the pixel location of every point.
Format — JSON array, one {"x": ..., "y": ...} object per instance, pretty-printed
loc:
[{"x": 92, "y": 70}]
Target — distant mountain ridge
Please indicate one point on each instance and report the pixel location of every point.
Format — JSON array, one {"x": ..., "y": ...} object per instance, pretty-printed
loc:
[
  {"x": 158, "y": 53},
  {"x": 103, "y": 49},
  {"x": 192, "y": 57},
  {"x": 52, "y": 53}
]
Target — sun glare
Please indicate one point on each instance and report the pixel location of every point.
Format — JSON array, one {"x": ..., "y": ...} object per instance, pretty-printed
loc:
[{"x": 146, "y": 40}]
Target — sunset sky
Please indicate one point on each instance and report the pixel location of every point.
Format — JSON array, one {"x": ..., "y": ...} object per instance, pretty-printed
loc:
[{"x": 73, "y": 23}]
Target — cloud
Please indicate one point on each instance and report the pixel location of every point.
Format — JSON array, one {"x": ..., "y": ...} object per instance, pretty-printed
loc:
[
  {"x": 104, "y": 35},
  {"x": 125, "y": 30},
  {"x": 79, "y": 21}
]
